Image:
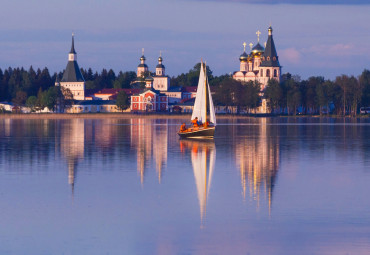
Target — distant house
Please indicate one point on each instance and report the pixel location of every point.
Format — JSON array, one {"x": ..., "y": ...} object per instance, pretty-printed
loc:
[
  {"x": 94, "y": 106},
  {"x": 111, "y": 94},
  {"x": 9, "y": 107}
]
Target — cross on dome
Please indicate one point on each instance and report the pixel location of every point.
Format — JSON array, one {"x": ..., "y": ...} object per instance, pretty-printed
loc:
[
  {"x": 251, "y": 45},
  {"x": 244, "y": 44},
  {"x": 258, "y": 33}
]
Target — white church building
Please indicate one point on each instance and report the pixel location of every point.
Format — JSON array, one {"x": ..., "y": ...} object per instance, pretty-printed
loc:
[{"x": 72, "y": 77}]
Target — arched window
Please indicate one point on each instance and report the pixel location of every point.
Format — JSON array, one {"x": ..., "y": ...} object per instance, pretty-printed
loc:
[
  {"x": 268, "y": 73},
  {"x": 261, "y": 72},
  {"x": 275, "y": 73},
  {"x": 268, "y": 58}
]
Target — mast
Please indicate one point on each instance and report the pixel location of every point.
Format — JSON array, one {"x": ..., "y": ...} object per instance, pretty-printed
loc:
[{"x": 205, "y": 85}]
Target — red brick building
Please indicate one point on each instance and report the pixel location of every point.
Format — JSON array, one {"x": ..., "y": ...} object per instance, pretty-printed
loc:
[{"x": 149, "y": 100}]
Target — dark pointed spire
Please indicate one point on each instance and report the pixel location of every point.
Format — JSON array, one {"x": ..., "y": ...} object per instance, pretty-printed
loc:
[
  {"x": 270, "y": 57},
  {"x": 73, "y": 44}
]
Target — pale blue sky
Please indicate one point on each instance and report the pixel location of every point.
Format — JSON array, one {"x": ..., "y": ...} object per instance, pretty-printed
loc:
[{"x": 325, "y": 40}]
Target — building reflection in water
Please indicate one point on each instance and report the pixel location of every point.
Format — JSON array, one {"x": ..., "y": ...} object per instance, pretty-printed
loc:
[
  {"x": 203, "y": 157},
  {"x": 72, "y": 145},
  {"x": 257, "y": 157},
  {"x": 150, "y": 140}
]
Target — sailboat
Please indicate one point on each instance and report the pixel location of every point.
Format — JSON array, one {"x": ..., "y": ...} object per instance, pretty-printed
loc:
[{"x": 202, "y": 106}]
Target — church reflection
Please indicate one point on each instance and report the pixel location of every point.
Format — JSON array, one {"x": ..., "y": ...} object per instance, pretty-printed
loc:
[
  {"x": 257, "y": 157},
  {"x": 203, "y": 157},
  {"x": 72, "y": 146},
  {"x": 150, "y": 140}
]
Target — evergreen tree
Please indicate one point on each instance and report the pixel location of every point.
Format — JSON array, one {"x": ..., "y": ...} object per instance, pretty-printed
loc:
[{"x": 122, "y": 101}]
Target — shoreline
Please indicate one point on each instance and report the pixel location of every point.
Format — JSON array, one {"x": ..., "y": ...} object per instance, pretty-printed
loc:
[{"x": 150, "y": 116}]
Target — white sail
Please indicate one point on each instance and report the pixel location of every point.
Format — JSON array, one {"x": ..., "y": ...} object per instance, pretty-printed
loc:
[
  {"x": 212, "y": 114},
  {"x": 199, "y": 109}
]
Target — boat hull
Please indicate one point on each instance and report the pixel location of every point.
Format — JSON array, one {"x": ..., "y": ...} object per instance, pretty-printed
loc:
[{"x": 200, "y": 133}]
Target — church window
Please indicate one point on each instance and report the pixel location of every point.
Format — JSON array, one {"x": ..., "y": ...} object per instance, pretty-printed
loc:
[
  {"x": 261, "y": 72},
  {"x": 267, "y": 73},
  {"x": 274, "y": 58},
  {"x": 268, "y": 58},
  {"x": 275, "y": 73}
]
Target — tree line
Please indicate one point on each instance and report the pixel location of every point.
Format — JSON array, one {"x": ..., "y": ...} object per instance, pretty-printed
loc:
[
  {"x": 315, "y": 95},
  {"x": 342, "y": 96},
  {"x": 36, "y": 88}
]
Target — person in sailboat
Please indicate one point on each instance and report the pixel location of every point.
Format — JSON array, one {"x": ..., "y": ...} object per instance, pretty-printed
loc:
[
  {"x": 195, "y": 122},
  {"x": 183, "y": 127}
]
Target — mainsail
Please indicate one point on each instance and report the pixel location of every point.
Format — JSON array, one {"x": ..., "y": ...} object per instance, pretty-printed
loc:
[{"x": 200, "y": 105}]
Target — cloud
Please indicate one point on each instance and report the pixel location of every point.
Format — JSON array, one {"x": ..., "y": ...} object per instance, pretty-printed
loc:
[
  {"x": 339, "y": 49},
  {"x": 290, "y": 55},
  {"x": 298, "y": 2}
]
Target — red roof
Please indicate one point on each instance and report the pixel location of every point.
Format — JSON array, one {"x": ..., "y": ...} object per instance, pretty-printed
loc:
[{"x": 112, "y": 92}]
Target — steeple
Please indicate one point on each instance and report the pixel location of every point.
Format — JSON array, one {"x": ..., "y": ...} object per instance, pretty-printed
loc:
[
  {"x": 270, "y": 57},
  {"x": 72, "y": 72},
  {"x": 73, "y": 44},
  {"x": 72, "y": 56}
]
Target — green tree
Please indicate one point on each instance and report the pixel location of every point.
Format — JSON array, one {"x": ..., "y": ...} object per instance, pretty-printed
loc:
[
  {"x": 344, "y": 83},
  {"x": 228, "y": 93},
  {"x": 364, "y": 81},
  {"x": 322, "y": 96},
  {"x": 40, "y": 103},
  {"x": 122, "y": 101},
  {"x": 274, "y": 95},
  {"x": 50, "y": 98},
  {"x": 293, "y": 96},
  {"x": 124, "y": 80},
  {"x": 31, "y": 102},
  {"x": 20, "y": 98},
  {"x": 250, "y": 95}
]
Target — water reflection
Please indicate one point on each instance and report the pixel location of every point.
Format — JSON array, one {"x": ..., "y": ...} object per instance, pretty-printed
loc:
[
  {"x": 312, "y": 175},
  {"x": 203, "y": 157},
  {"x": 72, "y": 146},
  {"x": 149, "y": 141},
  {"x": 257, "y": 157}
]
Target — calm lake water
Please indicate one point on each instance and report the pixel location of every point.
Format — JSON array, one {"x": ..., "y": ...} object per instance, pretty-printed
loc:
[{"x": 130, "y": 186}]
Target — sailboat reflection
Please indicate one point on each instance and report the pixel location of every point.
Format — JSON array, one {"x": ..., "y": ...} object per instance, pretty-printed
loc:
[{"x": 203, "y": 157}]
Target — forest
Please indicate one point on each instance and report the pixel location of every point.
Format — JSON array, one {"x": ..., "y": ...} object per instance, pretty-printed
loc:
[{"x": 316, "y": 95}]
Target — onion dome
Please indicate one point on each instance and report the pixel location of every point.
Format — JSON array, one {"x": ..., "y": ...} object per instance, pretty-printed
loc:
[
  {"x": 160, "y": 65},
  {"x": 270, "y": 30},
  {"x": 143, "y": 58},
  {"x": 258, "y": 49},
  {"x": 149, "y": 78},
  {"x": 243, "y": 57}
]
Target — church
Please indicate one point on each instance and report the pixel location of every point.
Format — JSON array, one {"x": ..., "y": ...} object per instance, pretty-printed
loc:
[
  {"x": 261, "y": 64},
  {"x": 161, "y": 82},
  {"x": 72, "y": 77}
]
